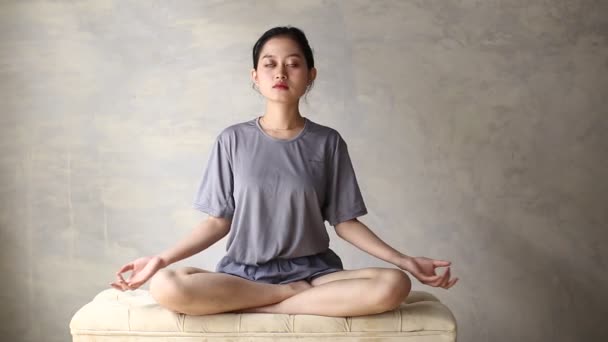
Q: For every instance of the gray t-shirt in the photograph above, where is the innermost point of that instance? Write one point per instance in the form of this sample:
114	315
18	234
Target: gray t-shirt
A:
279	192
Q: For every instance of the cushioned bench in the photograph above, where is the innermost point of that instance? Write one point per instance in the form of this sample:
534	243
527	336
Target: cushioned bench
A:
134	316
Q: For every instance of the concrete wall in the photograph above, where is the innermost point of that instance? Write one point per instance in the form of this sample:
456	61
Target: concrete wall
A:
477	130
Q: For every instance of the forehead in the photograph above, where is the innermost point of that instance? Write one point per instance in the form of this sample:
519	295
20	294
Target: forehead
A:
280	47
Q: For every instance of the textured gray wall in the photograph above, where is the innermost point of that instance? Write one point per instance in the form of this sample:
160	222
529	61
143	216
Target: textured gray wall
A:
478	130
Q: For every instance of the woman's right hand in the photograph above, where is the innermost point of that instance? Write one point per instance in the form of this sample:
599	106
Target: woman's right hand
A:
142	269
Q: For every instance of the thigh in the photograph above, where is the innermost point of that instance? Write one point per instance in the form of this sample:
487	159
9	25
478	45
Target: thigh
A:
190	270
197	279
369	272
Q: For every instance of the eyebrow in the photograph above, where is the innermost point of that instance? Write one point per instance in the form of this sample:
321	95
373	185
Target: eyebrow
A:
292	55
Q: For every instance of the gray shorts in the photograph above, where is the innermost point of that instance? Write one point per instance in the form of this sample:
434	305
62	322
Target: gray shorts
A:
283	271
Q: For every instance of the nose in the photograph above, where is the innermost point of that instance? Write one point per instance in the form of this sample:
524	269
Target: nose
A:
280	73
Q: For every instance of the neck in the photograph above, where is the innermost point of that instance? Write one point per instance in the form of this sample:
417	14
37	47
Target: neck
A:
282	115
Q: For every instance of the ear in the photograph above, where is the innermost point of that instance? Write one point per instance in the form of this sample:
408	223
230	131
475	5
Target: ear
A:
254	76
312	74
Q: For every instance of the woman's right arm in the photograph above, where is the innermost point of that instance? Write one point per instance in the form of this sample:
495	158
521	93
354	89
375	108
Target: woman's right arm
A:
205	234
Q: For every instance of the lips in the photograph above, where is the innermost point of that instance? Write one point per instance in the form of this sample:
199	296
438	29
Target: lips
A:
281	85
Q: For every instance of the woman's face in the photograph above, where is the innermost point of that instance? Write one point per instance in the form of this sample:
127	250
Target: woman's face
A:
282	62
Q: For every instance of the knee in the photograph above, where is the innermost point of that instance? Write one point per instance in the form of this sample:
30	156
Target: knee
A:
394	286
166	289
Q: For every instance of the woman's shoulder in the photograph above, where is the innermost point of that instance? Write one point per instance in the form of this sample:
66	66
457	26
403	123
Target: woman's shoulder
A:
324	130
242	127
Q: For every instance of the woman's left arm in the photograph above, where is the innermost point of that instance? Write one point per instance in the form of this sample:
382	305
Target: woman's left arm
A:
359	235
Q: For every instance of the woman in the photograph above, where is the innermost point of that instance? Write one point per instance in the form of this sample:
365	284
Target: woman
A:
270	183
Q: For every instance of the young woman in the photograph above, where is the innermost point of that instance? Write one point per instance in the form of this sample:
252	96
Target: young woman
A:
270	183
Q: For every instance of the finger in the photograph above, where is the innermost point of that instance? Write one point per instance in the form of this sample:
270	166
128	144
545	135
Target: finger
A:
426	278
441	263
451	283
124	280
441	279
125	268
136	278
133	280
429	280
445	278
119	278
121	281
116	286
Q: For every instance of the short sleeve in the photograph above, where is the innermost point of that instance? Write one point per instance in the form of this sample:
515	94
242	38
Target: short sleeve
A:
343	199
214	194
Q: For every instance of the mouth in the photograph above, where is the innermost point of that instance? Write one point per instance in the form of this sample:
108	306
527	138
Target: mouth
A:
281	86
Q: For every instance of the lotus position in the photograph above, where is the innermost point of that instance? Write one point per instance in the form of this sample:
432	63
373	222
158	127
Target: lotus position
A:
270	184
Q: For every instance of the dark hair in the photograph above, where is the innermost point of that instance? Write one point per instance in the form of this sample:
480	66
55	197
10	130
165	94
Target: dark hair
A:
291	32
288	31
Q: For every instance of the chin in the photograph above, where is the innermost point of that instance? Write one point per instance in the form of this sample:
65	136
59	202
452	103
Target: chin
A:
282	100
285	98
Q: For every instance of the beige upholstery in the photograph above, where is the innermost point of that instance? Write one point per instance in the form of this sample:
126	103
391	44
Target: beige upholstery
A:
134	316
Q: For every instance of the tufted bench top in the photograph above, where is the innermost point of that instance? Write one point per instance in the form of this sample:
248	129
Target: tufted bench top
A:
134	316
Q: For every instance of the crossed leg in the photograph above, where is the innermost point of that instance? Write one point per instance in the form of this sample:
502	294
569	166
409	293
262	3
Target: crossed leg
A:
347	293
364	291
195	291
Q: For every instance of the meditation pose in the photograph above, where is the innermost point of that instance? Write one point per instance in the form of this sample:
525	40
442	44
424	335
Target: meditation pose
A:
270	184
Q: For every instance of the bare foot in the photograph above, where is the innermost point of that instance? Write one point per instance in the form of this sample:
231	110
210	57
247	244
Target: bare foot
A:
299	286
296	287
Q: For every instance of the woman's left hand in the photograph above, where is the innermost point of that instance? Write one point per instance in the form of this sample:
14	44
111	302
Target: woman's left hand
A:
423	269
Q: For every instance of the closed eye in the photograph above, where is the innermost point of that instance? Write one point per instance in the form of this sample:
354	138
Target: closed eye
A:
291	65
